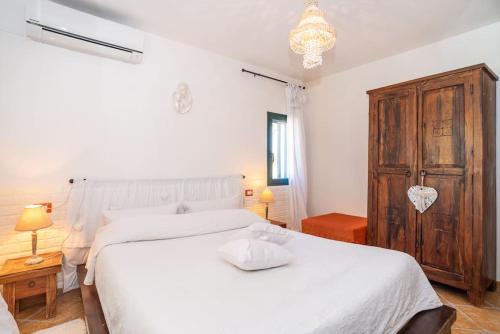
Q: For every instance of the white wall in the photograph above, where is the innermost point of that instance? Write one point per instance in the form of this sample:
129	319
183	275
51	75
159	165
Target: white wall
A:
337	116
67	114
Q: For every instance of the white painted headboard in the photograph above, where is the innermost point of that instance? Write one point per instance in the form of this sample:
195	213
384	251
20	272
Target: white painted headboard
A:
90	197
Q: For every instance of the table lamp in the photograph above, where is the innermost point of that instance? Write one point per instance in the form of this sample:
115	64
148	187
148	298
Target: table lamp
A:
33	218
267	197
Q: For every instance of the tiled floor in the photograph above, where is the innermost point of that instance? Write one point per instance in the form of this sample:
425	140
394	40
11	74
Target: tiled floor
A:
471	319
69	307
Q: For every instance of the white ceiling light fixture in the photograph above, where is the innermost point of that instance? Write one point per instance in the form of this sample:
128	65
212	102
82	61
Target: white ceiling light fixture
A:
312	36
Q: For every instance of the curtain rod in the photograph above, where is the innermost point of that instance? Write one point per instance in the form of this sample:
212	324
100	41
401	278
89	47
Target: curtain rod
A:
267	77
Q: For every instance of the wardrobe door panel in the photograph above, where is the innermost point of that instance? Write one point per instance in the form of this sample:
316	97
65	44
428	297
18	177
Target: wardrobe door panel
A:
445	158
443	226
392	170
393	215
393	127
443	125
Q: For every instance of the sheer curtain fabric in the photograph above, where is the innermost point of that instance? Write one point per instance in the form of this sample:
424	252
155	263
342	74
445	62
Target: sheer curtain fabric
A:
297	174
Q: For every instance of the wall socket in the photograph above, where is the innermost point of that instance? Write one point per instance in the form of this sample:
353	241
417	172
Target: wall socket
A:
48	205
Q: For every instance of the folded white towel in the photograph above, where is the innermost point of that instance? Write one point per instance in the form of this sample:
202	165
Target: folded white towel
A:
254	254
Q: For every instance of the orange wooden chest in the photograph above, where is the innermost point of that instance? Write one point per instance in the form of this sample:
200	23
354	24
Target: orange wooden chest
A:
337	226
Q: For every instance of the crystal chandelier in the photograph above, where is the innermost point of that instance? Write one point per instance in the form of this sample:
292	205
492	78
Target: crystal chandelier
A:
312	36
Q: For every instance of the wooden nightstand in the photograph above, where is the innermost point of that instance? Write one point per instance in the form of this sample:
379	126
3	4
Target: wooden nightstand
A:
21	281
275	222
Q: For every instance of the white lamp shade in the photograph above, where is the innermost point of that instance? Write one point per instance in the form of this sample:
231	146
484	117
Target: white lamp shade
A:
34	217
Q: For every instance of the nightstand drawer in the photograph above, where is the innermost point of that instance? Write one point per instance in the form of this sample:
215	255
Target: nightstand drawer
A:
31	287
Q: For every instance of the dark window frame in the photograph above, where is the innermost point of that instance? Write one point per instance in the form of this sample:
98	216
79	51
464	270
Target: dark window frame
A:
270	181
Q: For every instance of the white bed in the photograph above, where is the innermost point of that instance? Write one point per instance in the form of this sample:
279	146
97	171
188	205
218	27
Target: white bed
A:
180	285
7	323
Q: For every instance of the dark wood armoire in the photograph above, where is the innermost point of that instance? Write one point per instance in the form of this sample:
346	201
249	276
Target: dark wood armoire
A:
441	127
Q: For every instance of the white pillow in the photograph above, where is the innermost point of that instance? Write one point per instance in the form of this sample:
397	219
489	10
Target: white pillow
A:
266	232
216	204
108	216
254	254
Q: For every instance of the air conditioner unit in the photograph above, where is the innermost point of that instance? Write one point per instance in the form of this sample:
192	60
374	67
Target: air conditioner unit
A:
51	23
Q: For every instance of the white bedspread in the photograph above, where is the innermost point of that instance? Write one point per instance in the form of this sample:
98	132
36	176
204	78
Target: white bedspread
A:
155	227
7	323
182	286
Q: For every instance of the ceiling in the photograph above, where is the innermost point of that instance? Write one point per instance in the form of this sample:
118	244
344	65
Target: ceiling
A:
256	31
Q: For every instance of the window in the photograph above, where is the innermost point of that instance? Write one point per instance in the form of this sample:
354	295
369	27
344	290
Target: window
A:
277	161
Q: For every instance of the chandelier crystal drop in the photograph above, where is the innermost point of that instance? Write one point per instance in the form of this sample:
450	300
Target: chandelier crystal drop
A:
312	36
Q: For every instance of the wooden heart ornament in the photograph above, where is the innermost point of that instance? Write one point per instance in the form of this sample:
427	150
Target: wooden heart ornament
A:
422	197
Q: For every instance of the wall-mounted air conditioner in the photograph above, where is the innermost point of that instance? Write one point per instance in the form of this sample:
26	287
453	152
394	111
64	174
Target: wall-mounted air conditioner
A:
51	23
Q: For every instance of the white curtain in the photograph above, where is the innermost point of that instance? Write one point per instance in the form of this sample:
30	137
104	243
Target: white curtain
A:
296	141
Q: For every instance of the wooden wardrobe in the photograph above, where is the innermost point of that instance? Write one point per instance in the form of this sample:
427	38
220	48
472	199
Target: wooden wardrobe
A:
441	127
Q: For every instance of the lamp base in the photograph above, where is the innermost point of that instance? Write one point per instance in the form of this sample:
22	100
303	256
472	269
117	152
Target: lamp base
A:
33	260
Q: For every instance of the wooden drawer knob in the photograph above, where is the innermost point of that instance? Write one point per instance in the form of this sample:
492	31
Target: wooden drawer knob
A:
31	284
